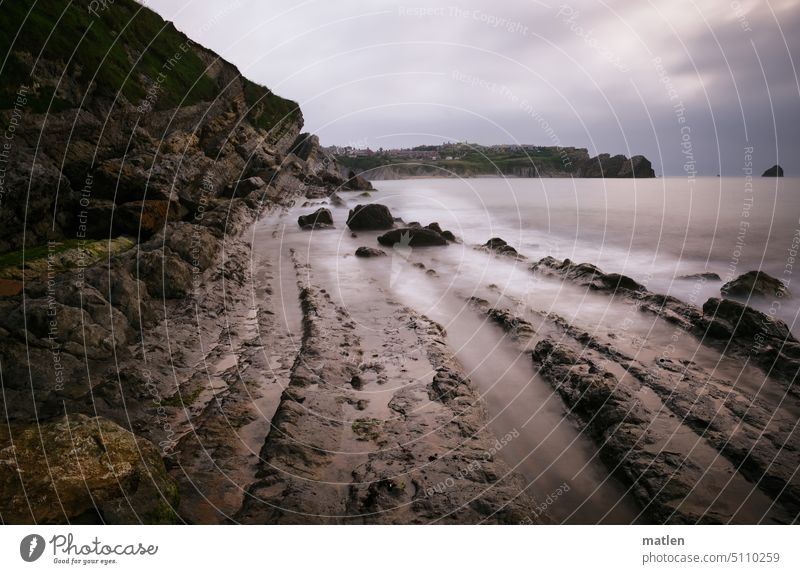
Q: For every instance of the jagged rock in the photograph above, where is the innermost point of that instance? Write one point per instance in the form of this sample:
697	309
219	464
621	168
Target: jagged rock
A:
369	252
413	237
755	284
321	218
357	183
730	319
244	187
165	274
604	165
586	274
499	246
373	216
75	468
774	171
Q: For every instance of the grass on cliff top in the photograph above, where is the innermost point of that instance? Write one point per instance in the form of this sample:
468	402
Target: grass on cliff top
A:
471	163
108	44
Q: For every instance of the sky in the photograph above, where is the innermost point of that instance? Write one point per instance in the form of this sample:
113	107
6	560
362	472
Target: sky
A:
691	84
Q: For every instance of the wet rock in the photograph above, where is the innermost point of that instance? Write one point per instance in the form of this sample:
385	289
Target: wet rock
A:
731	319
357	183
373	216
586	274
499	246
364	251
320	219
414	237
64	469
755	284
774	171
336	200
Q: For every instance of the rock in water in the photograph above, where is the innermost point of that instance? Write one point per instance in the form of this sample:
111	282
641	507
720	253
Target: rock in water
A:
774	171
76	465
369	217
413	237
755	284
605	165
500	247
369	252
320	219
731	318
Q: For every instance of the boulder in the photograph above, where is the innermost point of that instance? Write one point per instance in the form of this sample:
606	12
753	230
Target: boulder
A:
729	319
774	171
755	284
369	252
321	218
81	468
357	183
244	187
413	237
165	274
500	247
373	216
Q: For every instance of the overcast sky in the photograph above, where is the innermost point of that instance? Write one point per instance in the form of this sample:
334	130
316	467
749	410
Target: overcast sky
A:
675	80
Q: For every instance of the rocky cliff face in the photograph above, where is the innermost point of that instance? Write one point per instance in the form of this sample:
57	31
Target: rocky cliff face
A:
130	158
123	126
559	162
618	166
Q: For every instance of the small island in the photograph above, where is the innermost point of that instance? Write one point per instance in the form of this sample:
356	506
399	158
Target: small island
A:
774	171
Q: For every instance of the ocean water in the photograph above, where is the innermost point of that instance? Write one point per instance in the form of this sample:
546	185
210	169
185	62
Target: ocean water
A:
654	230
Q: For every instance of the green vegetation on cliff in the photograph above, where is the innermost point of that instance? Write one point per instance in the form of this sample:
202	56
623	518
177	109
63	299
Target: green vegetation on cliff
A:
124	49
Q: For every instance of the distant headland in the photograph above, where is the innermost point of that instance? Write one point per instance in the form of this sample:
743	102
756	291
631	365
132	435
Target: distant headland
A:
472	160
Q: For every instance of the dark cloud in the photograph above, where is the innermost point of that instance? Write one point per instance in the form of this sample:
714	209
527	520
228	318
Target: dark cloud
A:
385	73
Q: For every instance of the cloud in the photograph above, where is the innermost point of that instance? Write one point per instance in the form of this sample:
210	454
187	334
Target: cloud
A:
392	73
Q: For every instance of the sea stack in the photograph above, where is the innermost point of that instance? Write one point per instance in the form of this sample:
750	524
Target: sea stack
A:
774	171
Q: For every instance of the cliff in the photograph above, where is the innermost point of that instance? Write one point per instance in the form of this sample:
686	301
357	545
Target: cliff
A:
461	160
132	159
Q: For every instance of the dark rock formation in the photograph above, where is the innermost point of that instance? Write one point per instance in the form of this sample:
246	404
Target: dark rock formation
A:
731	319
244	187
373	216
755	284
76	467
586	274
774	171
618	166
412	236
369	252
320	219
357	183
499	246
